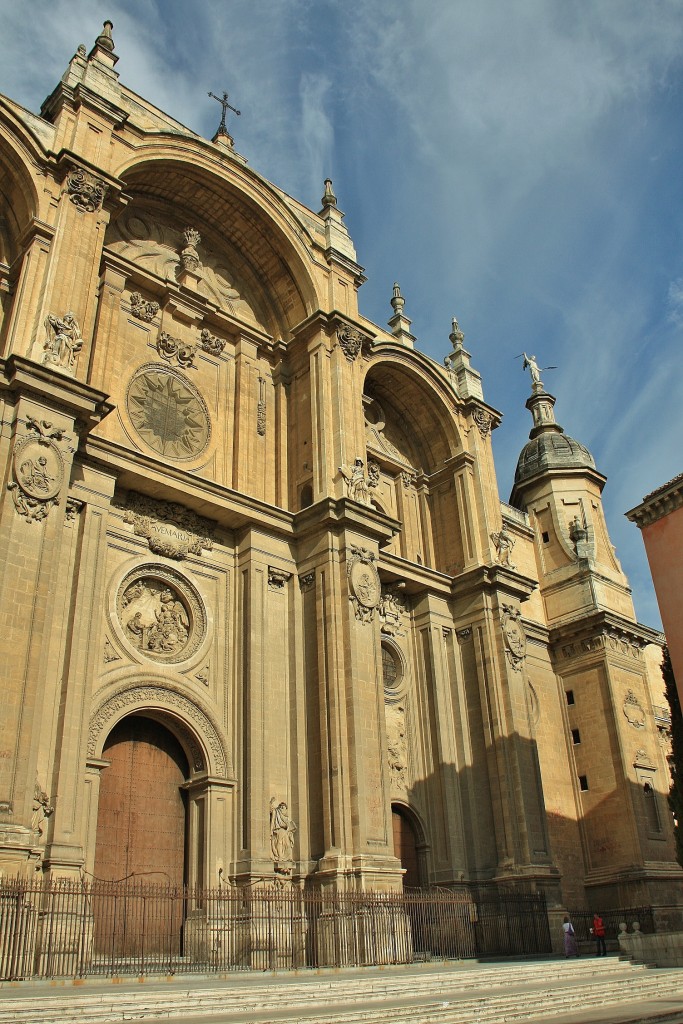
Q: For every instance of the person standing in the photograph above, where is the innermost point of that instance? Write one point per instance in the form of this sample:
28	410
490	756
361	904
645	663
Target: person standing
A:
598	930
571	946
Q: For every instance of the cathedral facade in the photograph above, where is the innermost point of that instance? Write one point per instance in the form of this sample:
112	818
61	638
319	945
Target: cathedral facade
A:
265	614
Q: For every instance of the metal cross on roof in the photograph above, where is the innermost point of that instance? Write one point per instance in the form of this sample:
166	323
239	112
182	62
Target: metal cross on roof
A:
222	129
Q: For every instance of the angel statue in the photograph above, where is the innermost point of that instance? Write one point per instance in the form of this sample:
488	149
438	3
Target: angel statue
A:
356	482
63	341
504	542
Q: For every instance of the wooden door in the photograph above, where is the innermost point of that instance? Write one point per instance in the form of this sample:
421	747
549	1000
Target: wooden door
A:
141	830
405	849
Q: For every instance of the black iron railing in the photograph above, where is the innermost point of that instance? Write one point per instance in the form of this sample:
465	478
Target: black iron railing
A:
68	928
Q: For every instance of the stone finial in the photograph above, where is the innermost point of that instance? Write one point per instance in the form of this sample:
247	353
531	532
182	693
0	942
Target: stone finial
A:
397	300
104	39
456	336
399	323
329	198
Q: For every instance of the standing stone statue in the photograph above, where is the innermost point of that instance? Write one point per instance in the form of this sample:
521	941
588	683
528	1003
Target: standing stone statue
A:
282	830
356	482
504	542
63	341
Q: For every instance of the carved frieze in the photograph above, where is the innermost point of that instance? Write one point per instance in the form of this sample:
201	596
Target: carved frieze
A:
605	640
160	614
168	412
86	191
173	349
514	636
392	608
208	342
633	711
170	529
364	583
141	308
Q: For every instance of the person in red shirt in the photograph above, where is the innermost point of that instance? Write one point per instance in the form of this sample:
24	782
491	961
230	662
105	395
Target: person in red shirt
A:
598	930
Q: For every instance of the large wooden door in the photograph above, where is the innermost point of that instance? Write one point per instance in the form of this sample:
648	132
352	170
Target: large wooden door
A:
405	848
141	833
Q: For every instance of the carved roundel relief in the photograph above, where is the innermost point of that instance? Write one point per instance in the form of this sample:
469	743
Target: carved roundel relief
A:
168	413
160	614
38	468
365	583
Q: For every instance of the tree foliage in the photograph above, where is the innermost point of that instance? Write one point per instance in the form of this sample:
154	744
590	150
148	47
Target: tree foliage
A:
676	791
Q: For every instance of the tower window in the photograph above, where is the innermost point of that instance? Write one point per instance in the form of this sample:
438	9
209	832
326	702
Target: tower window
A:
583	783
576	736
570	696
546	537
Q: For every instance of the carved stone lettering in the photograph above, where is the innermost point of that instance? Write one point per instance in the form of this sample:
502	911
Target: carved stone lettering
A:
171	529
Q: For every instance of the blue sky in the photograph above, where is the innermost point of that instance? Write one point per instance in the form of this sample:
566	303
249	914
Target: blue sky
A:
515	164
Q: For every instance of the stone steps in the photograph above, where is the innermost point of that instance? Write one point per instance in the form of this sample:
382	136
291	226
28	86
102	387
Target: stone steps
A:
451	994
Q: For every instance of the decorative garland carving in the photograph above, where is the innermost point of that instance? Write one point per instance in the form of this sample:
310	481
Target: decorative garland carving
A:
141	308
170	529
514	636
86	191
364	583
464	635
73	507
162	697
409	478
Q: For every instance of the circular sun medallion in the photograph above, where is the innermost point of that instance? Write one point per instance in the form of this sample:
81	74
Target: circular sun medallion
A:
168	412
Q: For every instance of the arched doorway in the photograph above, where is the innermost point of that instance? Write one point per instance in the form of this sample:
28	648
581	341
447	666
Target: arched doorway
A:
141	815
405	847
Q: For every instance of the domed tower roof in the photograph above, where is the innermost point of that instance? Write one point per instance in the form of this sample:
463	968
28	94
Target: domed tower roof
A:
548	448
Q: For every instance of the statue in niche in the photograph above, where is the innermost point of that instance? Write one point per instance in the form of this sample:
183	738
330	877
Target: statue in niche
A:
356	482
63	341
282	830
504	542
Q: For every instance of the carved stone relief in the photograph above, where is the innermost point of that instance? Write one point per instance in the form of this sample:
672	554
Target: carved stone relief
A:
141	308
189	257
109	652
160	614
86	191
261	407
168	412
504	542
307	580
42	810
514	636
277	578
409	479
162	697
633	711
397	747
208	342
364	583
392	608
173	349
73	507
356	482
464	635
483	421
282	830
351	341
38	468
171	529
63	341
204	675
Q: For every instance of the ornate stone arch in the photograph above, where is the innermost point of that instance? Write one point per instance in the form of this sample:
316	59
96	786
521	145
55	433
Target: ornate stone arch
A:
181	713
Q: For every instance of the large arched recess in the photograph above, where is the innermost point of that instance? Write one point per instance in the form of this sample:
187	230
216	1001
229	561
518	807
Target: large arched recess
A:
18	204
414	395
239	213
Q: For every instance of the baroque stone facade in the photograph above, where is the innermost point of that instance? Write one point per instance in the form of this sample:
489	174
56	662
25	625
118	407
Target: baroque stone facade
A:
253	543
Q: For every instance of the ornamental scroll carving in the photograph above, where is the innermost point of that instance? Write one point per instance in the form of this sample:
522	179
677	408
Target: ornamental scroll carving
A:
38	468
174	349
633	711
514	636
180	706
483	421
160	614
364	583
170	529
209	343
86	191
141	308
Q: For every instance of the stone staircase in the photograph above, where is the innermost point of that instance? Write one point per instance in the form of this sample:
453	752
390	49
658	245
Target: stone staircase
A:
448	993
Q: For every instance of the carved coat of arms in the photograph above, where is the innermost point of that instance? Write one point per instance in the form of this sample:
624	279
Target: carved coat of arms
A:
364	583
514	636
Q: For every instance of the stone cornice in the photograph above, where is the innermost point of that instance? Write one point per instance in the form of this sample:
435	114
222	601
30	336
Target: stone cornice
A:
22	376
659	503
602	631
493	578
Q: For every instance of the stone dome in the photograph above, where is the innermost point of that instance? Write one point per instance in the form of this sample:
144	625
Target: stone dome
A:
551	449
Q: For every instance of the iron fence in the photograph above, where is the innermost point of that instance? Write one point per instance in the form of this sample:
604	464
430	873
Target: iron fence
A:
583	921
68	928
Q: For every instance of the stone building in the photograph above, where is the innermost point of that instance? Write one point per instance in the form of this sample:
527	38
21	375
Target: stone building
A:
265	614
